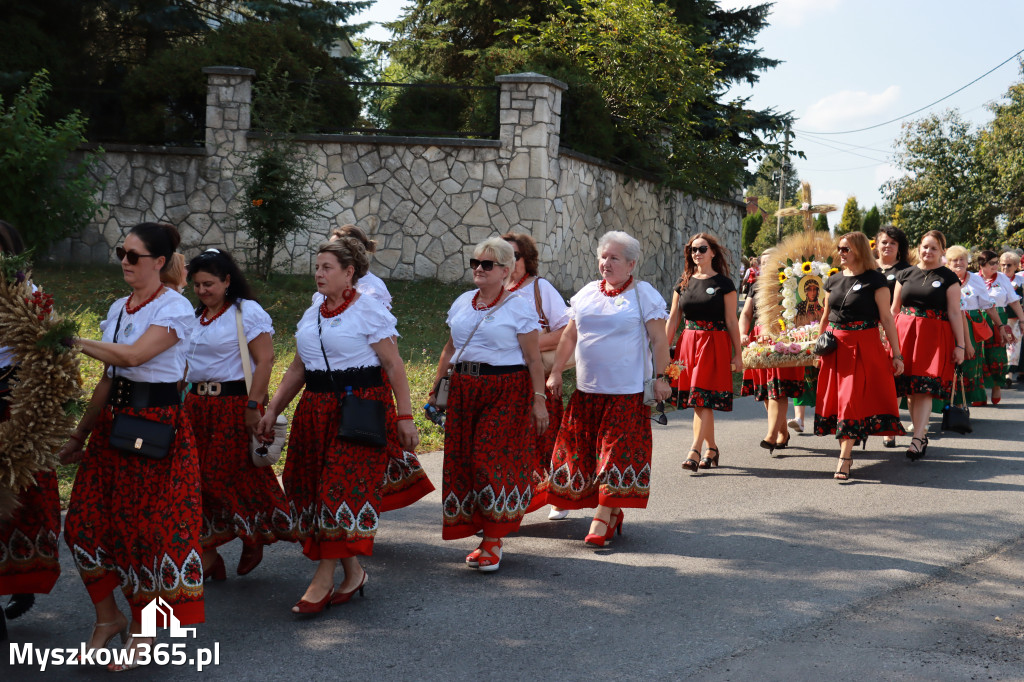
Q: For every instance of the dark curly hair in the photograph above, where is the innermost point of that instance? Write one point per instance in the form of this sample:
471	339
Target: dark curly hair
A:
527	248
900	237
221	265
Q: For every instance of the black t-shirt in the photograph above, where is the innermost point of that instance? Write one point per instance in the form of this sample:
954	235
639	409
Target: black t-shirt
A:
852	299
926	288
892	272
704	299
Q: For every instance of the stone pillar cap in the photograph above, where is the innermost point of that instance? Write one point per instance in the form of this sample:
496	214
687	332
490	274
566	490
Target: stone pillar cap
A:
228	71
531	77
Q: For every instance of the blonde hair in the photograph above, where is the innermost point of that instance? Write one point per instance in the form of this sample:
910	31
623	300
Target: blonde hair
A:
351	230
500	251
861	248
1012	257
957	251
174	275
348	251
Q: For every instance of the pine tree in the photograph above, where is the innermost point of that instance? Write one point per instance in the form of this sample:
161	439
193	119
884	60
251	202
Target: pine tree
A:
821	223
851	220
751	227
872	221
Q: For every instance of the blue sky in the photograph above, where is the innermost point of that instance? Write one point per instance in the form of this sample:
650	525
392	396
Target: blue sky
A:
850	64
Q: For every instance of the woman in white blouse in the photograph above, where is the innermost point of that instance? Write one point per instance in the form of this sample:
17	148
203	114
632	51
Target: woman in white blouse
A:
975	303
369	284
339	487
495	408
602	457
553	316
1000	289
134	520
240	500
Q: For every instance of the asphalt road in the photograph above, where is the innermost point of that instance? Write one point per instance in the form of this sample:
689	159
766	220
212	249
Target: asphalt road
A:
762	569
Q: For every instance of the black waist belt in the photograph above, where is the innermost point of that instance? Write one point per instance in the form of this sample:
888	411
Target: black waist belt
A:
476	369
322	381
219	388
138	394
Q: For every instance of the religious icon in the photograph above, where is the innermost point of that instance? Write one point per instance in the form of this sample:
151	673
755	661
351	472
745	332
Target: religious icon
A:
808	307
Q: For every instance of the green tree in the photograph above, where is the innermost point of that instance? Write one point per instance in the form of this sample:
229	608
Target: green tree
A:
821	223
766	238
944	185
1001	151
851	220
751	228
47	194
872	221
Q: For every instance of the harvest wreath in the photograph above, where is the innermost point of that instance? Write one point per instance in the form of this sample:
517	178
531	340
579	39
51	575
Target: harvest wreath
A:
45	387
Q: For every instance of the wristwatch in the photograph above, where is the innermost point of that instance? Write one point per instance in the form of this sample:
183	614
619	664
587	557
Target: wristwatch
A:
252	405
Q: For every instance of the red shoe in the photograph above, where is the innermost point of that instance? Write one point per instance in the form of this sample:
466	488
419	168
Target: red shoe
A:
995	401
979	403
303	606
251	557
617	526
346	597
490	556
598	539
216	572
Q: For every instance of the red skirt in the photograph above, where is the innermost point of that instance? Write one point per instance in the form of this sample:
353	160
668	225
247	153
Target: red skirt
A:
240	500
545	447
136	521
856	390
926	343
706	378
28	540
338	488
603	453
489	451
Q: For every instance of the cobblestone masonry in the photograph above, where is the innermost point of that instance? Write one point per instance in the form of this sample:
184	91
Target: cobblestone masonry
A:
426	200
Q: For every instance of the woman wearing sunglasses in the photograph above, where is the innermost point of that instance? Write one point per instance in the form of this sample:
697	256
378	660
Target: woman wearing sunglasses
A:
602	457
931	334
496	407
551	310
709	348
36	521
1000	289
240	500
135	520
975	305
856	389
1009	264
339	487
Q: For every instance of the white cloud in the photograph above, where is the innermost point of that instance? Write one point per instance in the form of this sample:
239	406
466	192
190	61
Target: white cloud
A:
849	108
887	172
789	13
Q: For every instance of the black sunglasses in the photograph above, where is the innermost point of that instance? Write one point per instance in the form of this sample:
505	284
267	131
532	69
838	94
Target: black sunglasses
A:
700	249
133	258
487	265
843	249
518	255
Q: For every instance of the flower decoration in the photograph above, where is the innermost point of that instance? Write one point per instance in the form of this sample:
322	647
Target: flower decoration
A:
257	202
872	243
782	277
807	268
673	370
833	271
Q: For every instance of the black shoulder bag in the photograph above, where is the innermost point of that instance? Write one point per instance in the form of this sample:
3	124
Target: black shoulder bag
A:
957	417
138	435
362	419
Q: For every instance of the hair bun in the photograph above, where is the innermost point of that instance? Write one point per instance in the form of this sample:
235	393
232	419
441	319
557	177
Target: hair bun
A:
172	235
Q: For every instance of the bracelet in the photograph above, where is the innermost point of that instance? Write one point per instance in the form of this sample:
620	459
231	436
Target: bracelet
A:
897	356
961	347
403	417
541	395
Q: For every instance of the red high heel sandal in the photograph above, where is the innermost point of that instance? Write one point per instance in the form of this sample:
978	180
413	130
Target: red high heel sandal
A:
303	606
617	526
346	597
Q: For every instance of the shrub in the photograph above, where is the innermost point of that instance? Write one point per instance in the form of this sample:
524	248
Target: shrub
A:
46	195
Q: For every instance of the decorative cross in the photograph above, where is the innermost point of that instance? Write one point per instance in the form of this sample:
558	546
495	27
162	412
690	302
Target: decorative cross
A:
807	210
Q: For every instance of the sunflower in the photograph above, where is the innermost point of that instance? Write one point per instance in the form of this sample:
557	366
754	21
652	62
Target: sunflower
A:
782	277
872	243
833	271
806	267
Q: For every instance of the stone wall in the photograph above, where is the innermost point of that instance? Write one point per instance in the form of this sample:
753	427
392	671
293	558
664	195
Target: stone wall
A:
426	200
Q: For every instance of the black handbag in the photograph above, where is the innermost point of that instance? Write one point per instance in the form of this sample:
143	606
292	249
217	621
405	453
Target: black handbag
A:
826	344
955	417
140	436
362	419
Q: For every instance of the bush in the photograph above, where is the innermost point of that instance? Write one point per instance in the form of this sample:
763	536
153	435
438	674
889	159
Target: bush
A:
751	228
45	196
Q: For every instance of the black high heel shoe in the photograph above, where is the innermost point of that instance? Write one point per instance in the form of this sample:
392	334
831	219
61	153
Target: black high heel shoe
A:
707	461
691	464
769	446
916	452
19	604
784	444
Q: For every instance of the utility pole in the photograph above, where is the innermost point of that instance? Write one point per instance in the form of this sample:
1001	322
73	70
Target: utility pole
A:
782	186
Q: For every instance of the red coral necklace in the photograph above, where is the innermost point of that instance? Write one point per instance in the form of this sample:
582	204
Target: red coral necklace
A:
346	301
128	304
203	320
519	283
612	293
476	298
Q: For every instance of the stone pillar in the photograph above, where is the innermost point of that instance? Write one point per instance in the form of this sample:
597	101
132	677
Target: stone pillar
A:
531	118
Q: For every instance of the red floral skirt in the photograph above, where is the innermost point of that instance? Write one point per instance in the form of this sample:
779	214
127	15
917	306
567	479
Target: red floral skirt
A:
545	446
240	500
338	488
603	453
489	452
136	521
706	378
926	343
856	390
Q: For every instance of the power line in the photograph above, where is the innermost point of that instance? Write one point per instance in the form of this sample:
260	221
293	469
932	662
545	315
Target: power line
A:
917	111
842	170
847	151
